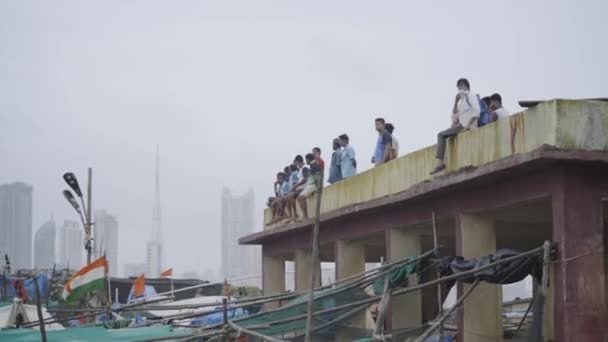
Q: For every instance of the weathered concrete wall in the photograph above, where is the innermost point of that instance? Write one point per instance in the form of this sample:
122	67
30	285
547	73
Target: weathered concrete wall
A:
566	124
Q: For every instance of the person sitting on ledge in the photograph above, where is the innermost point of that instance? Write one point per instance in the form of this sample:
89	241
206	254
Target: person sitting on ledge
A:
464	117
497	108
298	184
277	203
312	183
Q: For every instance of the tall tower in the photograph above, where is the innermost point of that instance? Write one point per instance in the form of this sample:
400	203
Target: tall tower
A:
154	247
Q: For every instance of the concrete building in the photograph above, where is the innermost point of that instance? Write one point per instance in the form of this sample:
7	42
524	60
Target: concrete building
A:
154	258
135	269
16	224
71	245
236	221
537	175
106	239
44	246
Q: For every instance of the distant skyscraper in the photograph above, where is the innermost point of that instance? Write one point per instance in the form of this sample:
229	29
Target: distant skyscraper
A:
71	245
106	239
237	221
135	270
154	247
44	246
16	224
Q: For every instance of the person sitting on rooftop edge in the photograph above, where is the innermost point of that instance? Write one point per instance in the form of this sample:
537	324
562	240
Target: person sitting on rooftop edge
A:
464	117
496	106
313	182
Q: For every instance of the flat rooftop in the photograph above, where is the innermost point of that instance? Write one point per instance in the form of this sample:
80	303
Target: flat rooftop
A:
566	130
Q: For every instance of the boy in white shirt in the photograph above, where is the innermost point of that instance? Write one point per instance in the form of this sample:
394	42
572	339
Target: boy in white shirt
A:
496	106
464	117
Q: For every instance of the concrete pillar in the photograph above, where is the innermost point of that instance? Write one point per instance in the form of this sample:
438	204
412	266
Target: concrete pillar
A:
580	293
481	319
406	310
273	277
350	260
303	263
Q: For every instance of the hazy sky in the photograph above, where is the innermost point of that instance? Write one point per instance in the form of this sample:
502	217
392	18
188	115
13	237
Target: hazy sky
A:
232	90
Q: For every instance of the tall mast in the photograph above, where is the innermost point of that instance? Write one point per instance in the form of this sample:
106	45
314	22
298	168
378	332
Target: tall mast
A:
156	215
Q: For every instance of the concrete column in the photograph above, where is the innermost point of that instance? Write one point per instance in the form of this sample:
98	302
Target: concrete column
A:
273	277
580	231
406	310
482	312
350	260
303	263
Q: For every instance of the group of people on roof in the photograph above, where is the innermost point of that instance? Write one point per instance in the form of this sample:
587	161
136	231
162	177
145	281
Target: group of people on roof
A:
303	177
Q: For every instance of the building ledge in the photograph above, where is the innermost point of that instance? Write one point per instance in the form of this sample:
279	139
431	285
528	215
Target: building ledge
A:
544	156
549	128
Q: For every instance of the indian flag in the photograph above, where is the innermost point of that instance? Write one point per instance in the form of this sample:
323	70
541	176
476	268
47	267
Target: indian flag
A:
90	278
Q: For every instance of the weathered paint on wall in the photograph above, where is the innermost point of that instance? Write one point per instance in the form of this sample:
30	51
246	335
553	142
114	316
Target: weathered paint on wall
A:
565	124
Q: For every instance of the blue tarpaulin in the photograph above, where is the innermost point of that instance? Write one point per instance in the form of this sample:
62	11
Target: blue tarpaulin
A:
8	283
218	317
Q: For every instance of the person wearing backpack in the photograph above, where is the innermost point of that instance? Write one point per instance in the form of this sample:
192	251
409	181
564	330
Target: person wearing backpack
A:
465	115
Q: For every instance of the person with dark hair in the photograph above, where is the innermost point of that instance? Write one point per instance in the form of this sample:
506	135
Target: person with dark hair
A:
348	164
464	117
395	146
313	183
335	174
316	152
298	183
496	106
276	202
382	153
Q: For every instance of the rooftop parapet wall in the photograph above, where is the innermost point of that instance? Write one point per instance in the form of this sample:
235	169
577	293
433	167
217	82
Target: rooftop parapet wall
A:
565	124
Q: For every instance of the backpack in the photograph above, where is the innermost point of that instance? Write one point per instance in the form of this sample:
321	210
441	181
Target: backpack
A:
485	116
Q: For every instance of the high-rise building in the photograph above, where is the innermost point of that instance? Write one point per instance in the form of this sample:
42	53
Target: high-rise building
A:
71	245
44	246
16	224
237	220
135	270
154	247
105	232
154	256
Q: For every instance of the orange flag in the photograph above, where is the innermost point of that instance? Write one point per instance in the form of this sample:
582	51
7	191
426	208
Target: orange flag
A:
167	273
139	286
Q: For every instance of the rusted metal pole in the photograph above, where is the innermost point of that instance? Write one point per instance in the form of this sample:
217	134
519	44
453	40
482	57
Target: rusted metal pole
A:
430	330
386	295
439	285
89	209
225	310
39	309
315	263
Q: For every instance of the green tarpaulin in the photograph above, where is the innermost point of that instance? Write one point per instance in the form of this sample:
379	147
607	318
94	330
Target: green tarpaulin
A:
93	334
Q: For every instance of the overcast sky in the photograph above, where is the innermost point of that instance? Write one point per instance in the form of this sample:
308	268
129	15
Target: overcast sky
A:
232	90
